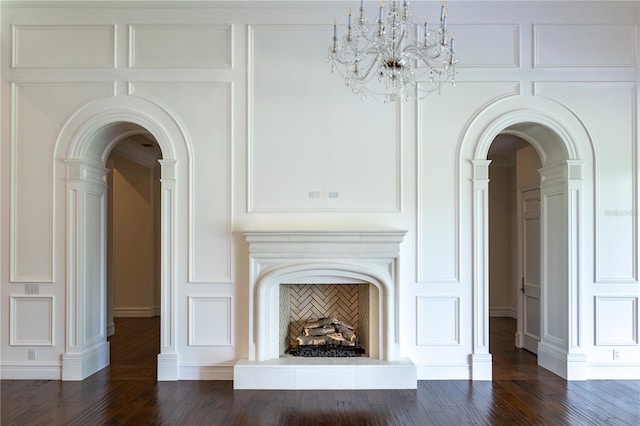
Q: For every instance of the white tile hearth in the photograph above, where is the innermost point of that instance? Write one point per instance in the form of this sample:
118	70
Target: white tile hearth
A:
295	373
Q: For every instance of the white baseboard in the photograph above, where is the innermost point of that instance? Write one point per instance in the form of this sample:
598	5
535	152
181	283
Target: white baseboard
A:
568	366
615	371
136	312
20	370
78	366
167	367
481	367
222	371
444	372
503	312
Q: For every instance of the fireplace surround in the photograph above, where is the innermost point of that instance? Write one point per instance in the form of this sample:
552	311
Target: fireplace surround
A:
323	257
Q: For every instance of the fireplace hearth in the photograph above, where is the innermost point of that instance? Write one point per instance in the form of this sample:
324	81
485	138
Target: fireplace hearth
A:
366	260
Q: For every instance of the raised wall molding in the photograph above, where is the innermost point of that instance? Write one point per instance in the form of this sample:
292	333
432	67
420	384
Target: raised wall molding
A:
190	46
620	151
210	321
267	157
432	313
40	201
423	274
579	45
31	320
616	320
66	46
206	160
472	41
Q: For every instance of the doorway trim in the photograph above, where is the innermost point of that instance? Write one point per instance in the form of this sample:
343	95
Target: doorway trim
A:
81	151
564	146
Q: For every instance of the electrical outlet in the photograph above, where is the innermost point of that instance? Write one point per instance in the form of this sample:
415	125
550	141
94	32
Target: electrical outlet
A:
32	288
314	194
334	195
31	354
616	354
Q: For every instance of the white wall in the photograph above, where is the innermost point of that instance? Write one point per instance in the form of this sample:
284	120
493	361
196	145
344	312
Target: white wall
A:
257	121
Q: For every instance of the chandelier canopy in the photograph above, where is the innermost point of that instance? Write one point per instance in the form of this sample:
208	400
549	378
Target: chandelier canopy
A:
395	57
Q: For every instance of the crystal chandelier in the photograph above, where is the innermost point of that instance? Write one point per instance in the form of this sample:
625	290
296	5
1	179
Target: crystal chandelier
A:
389	57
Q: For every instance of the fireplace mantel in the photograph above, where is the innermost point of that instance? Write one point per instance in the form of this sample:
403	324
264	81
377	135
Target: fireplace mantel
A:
281	257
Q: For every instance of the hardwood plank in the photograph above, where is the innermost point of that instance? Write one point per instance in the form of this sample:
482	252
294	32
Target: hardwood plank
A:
126	393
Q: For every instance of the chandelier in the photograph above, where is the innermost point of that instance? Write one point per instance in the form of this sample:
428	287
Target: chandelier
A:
388	58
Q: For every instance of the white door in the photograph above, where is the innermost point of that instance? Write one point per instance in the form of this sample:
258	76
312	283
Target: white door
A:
529	291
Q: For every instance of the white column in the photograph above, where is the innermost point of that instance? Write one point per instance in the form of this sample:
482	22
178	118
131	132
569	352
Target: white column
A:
168	357
86	346
481	360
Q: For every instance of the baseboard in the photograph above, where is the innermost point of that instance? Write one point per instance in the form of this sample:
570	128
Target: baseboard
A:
19	370
111	329
568	366
143	312
613	371
167	367
444	372
481	367
206	372
78	366
503	312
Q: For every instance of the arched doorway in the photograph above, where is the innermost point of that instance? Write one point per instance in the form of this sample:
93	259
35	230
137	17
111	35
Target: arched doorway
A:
514	255
133	254
83	146
563	146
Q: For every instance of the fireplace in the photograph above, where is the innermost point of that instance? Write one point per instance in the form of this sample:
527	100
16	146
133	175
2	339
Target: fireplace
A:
279	259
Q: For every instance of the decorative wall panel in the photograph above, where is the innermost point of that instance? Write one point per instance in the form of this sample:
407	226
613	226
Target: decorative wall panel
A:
326	138
94	280
63	46
180	46
438	234
487	45
613	129
585	45
205	109
32	320
616	320
554	267
209	321
438	321
32	216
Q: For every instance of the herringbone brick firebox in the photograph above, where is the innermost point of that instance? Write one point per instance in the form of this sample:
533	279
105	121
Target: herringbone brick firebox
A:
301	302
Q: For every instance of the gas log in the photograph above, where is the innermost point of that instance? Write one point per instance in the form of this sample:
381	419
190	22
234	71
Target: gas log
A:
327	331
326	337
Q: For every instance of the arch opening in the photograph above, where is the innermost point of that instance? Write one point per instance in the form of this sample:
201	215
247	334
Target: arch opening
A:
83	146
561	177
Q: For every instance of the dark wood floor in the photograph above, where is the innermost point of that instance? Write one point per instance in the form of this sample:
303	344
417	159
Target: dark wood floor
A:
126	393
